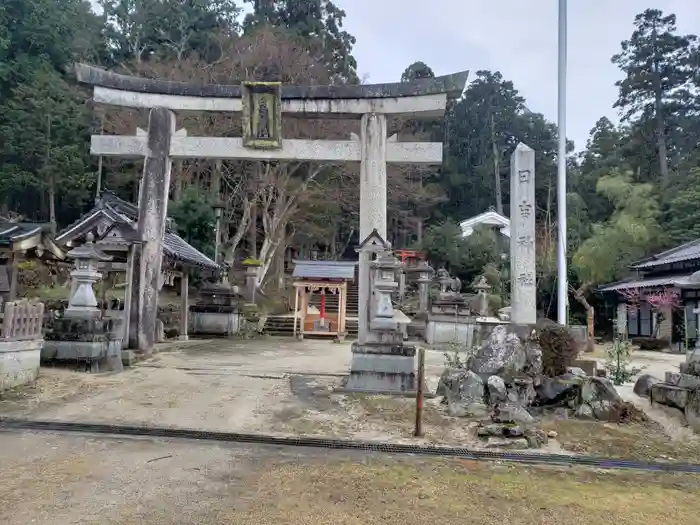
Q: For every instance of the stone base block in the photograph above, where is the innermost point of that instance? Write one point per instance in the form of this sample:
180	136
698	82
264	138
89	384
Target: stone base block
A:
19	362
214	323
669	395
128	357
445	331
105	355
590	366
683	380
382	369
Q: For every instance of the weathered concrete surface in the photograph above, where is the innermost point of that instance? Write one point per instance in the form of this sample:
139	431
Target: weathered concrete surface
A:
19	362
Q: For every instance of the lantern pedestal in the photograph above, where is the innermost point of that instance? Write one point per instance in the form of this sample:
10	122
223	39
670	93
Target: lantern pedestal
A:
381	363
82	336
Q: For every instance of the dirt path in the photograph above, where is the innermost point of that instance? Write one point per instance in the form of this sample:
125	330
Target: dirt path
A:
223	385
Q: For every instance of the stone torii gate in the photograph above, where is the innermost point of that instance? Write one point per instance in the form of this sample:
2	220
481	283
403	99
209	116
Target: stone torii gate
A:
262	105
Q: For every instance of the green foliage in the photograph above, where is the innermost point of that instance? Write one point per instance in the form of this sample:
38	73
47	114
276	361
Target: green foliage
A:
629	234
44	121
617	362
195	220
466	257
682	217
318	23
167	29
559	347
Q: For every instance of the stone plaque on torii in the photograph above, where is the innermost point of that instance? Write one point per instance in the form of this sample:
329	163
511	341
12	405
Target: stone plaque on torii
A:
262	106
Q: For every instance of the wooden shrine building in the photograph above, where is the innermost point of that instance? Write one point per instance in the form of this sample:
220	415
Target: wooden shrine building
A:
322	278
20	241
114	224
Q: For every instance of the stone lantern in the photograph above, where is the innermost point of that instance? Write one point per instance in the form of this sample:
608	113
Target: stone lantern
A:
482	288
82	302
425	279
383	287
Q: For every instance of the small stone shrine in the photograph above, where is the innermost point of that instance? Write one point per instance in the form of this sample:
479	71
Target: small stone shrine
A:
450	319
381	362
218	310
81	335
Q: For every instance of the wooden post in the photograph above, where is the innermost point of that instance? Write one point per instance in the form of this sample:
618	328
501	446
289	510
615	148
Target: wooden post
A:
16	259
419	393
296	307
128	299
184	305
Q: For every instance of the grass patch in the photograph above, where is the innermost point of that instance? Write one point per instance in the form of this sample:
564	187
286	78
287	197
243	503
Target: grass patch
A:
642	441
412	493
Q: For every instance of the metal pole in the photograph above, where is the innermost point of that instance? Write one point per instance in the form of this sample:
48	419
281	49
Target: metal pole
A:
562	281
419	393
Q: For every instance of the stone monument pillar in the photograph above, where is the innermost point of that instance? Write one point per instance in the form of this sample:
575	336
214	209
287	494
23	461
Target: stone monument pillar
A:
522	236
153	208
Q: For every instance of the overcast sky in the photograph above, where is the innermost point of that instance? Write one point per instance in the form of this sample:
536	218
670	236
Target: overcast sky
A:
516	37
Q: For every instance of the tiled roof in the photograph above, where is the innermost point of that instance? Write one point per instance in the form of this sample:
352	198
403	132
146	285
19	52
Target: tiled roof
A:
684	252
489	217
324	270
16	231
123	212
669	280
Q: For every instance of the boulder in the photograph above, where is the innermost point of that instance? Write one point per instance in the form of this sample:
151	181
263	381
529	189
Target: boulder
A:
575	370
692	410
501	352
554	391
598	399
464	391
513	414
533	358
643	385
497	390
521	391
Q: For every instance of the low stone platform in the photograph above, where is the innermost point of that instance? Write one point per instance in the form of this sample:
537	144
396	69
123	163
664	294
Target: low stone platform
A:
678	390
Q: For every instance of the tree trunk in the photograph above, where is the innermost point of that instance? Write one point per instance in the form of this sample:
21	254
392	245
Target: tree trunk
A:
580	295
496	166
253	233
215	183
661	141
52	179
179	173
659	116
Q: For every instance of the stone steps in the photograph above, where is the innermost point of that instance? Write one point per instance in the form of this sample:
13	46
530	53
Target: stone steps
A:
279	325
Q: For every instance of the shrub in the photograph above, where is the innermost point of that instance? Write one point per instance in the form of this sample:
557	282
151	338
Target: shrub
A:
651	343
559	347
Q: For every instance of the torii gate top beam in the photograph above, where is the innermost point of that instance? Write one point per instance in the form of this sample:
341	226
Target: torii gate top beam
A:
425	98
